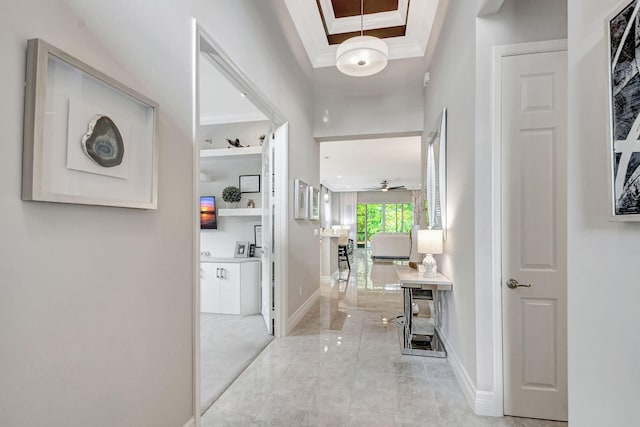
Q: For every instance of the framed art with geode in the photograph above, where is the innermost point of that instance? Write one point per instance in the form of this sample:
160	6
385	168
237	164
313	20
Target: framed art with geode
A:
88	139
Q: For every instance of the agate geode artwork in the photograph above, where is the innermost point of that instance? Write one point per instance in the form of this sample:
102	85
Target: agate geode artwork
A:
88	139
103	142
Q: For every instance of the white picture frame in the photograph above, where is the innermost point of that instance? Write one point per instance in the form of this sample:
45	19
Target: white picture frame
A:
624	111
242	249
436	174
314	203
249	183
300	199
63	99
257	235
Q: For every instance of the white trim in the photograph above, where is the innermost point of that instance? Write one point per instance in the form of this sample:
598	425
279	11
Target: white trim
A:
232	118
195	286
490	7
202	42
392	18
493	400
487	404
302	311
309	25
281	233
330	280
463	377
482	402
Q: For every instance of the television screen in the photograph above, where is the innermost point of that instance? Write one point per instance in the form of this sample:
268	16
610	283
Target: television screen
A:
208	214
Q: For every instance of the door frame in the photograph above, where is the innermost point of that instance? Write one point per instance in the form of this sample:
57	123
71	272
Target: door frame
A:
201	39
495	405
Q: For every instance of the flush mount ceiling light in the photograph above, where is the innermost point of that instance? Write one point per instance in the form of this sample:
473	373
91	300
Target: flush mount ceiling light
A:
362	55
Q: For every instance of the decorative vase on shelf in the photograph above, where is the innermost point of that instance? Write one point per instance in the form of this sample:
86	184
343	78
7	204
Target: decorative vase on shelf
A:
231	195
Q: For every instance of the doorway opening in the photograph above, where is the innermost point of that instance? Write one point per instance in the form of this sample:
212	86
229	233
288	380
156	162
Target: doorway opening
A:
240	176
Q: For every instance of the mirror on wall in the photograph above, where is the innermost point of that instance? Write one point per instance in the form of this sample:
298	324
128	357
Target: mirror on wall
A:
436	174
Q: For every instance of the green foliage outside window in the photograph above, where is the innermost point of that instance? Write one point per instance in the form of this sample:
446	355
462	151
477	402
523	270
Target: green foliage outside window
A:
382	217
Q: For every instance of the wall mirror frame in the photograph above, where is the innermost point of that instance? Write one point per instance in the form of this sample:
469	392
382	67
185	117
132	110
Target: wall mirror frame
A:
436	174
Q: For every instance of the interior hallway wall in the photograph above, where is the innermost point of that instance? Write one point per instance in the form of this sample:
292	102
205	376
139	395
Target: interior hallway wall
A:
394	196
96	302
604	384
453	87
519	21
261	39
389	102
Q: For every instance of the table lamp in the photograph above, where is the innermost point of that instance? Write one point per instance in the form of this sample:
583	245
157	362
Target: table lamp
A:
429	243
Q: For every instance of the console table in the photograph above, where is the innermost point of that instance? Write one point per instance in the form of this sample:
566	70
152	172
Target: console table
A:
421	332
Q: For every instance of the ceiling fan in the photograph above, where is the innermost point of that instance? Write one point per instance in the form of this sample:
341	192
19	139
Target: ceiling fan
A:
384	186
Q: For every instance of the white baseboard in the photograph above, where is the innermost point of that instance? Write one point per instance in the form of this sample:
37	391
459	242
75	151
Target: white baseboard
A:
482	402
293	321
190	423
330	280
487	404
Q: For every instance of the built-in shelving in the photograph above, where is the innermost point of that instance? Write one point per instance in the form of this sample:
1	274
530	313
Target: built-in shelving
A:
232	151
240	212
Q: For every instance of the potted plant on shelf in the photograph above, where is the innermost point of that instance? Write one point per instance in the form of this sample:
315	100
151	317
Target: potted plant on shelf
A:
231	195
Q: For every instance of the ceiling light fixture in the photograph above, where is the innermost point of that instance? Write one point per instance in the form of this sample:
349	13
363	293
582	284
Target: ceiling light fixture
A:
362	55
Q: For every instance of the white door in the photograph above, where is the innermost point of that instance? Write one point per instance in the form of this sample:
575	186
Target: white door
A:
534	161
277	138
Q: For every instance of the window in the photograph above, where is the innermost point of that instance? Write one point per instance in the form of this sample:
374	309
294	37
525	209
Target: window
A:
382	217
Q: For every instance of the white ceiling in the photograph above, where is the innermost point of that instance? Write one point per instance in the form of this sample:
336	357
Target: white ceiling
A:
308	23
361	165
222	102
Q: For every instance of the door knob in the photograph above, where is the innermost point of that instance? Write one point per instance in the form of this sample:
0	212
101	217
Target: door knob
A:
513	283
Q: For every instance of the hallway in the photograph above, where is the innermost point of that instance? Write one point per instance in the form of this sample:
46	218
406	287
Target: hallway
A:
342	367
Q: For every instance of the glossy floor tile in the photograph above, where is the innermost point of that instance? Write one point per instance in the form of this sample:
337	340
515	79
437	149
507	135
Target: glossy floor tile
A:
228	344
342	366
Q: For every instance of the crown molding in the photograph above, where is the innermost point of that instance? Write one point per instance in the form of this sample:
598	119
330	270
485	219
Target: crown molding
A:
308	23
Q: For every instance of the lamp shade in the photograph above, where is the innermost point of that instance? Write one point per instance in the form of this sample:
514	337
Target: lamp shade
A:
362	56
430	241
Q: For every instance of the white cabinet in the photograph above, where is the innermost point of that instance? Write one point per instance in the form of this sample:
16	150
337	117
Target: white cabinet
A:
230	287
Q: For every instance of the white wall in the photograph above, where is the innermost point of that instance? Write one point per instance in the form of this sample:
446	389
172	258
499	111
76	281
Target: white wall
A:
261	39
518	21
452	86
465	48
247	132
95	306
604	384
395	196
386	103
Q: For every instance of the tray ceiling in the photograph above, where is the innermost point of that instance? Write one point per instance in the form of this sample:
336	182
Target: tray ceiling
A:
324	24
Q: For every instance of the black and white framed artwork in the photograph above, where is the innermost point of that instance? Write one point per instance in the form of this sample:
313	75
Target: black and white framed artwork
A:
623	30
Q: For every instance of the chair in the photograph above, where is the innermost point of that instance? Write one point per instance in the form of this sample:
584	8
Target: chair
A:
343	254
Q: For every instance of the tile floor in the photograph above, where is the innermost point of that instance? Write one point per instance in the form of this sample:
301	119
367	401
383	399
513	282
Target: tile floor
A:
228	344
342	367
